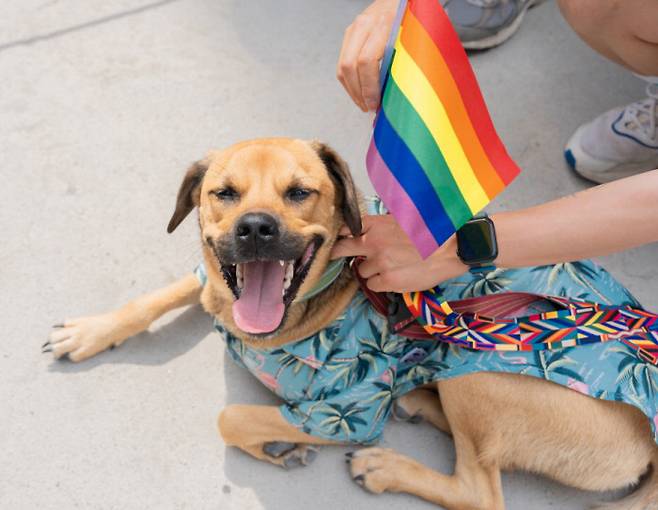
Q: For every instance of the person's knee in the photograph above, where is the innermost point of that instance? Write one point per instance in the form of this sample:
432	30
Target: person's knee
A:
637	38
590	19
621	31
587	14
640	24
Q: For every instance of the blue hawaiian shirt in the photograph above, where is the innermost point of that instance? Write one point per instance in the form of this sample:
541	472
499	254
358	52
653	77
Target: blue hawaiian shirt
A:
340	383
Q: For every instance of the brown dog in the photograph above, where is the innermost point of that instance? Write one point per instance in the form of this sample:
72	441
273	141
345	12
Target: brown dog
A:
269	212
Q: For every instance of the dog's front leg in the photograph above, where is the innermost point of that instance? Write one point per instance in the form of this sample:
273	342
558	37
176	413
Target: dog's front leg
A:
83	337
262	432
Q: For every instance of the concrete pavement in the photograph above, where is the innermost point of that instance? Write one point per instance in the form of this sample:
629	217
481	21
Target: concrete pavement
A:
102	105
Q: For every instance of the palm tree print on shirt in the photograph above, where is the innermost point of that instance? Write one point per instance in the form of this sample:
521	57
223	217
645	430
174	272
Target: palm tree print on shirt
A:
639	376
339	417
581	273
484	283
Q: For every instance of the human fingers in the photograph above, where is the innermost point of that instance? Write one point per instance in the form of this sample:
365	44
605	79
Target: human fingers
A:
367	223
368	64
350	247
347	70
370	267
402	279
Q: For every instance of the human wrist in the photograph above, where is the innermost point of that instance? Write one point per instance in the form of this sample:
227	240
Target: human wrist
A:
500	225
445	262
518	236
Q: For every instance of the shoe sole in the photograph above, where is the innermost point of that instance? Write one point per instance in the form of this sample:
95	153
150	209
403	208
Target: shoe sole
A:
600	171
504	34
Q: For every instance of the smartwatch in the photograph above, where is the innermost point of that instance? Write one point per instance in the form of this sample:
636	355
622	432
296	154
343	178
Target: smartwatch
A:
476	242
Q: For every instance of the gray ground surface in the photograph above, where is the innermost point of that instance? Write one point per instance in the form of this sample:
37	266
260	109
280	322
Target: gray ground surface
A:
103	104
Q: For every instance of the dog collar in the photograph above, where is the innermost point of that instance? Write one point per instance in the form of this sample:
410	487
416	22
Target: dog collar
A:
329	276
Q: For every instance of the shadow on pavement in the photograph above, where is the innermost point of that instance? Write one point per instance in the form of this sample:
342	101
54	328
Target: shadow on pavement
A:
150	348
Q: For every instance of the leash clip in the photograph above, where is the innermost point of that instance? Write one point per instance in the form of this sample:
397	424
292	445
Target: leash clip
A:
398	315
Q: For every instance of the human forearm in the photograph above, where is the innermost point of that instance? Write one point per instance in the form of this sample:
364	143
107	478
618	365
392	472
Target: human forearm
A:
594	222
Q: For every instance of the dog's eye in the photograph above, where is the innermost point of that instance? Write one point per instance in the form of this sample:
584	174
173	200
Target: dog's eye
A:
297	194
226	194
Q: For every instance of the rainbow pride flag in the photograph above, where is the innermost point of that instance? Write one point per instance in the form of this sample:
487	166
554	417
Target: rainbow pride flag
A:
435	159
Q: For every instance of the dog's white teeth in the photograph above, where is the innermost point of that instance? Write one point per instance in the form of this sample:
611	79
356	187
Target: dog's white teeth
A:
240	282
290	271
281	262
286	284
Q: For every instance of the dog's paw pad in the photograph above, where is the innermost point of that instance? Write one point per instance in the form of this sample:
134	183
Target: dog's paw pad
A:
297	456
311	455
400	414
278	448
292	462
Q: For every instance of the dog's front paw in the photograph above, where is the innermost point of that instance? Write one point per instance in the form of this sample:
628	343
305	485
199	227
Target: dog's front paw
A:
379	469
290	455
82	338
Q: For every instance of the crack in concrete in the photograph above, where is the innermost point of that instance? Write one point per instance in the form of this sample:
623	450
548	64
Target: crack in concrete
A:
83	26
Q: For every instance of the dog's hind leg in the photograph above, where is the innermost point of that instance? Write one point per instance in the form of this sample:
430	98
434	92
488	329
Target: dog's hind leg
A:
474	486
421	404
262	432
476	483
83	337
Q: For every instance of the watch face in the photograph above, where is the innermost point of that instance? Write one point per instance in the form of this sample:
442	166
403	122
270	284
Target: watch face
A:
476	242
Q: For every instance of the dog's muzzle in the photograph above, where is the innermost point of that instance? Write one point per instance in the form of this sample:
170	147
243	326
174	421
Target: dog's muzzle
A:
264	265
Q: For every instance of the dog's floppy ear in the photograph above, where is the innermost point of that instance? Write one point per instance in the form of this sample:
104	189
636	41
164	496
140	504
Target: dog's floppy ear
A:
188	194
345	188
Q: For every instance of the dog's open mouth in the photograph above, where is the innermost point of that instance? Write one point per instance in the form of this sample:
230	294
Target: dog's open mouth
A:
264	289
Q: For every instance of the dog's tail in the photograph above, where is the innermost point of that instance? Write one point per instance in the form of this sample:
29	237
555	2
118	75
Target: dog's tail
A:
645	495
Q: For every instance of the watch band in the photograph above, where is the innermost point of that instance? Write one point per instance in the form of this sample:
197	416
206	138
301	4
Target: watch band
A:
482	268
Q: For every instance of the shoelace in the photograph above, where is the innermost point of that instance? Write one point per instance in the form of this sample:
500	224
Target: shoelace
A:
643	115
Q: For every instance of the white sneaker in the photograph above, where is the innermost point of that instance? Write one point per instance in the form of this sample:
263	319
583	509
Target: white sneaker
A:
619	143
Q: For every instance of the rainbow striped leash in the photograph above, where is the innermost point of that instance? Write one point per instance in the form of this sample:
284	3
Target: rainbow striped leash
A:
500	322
496	322
435	158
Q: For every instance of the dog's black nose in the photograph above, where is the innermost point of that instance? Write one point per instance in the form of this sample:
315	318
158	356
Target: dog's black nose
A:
257	229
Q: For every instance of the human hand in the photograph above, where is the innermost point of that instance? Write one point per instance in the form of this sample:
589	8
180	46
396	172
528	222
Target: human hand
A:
392	262
363	47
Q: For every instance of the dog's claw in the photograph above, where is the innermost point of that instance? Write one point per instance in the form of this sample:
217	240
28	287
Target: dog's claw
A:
360	480
45	344
47	349
59	325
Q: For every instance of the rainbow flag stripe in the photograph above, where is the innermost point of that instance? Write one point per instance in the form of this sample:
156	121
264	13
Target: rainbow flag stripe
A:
435	158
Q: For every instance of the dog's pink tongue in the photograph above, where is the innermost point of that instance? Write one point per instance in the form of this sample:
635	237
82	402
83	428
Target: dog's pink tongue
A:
260	308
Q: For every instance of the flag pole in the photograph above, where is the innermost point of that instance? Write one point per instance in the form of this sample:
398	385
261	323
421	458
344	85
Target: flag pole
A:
388	52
